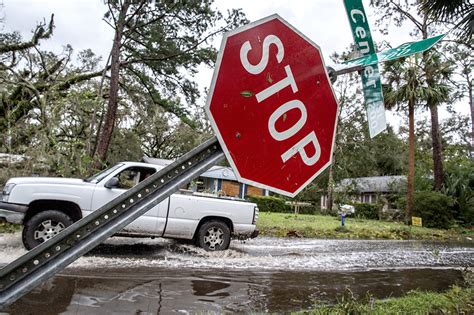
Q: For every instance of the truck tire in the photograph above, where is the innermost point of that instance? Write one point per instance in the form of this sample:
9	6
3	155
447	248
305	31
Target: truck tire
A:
213	235
43	226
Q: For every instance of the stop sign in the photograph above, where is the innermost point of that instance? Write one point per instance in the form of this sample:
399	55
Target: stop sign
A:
272	106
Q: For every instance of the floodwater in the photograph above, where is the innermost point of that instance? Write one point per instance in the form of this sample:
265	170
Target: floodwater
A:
134	276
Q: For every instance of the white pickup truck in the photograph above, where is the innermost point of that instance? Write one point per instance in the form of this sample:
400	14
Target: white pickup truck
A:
46	205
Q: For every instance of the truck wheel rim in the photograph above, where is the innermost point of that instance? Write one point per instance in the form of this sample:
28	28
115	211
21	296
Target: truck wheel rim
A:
214	237
47	229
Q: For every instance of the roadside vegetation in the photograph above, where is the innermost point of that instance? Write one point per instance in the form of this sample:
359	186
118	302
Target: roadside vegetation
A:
325	226
6	227
457	300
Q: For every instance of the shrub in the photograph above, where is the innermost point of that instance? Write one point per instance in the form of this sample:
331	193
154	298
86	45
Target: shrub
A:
366	211
270	204
309	209
435	209
459	184
392	215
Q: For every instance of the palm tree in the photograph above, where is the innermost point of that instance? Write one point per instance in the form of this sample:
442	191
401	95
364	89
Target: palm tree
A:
423	24
404	90
414	82
460	12
437	91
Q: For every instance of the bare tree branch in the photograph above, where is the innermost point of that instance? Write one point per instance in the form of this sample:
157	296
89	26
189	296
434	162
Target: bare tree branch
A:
39	33
408	15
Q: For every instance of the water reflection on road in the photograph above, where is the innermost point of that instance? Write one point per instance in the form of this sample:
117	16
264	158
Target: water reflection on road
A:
132	291
263	275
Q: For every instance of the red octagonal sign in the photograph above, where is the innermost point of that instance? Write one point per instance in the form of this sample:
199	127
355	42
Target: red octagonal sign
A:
272	106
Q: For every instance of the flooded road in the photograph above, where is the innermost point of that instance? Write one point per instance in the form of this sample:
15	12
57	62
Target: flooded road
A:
139	276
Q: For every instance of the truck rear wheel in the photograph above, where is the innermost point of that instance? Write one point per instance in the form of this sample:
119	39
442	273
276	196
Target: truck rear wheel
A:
43	226
213	235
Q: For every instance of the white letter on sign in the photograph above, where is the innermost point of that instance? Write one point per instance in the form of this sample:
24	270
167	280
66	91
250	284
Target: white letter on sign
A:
299	148
280	85
256	69
280	136
357	12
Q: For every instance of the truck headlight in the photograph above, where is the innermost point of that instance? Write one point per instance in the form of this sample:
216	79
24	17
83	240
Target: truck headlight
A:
7	190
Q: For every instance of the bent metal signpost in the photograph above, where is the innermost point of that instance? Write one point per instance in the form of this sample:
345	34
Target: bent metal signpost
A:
272	106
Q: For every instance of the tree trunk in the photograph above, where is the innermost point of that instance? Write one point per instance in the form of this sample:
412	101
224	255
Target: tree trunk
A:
437	149
331	183
471	101
111	113
411	161
330	188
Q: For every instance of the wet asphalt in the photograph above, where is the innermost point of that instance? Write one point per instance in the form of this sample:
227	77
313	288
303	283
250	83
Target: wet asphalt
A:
141	276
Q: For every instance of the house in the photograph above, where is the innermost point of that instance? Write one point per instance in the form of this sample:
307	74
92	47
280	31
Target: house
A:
367	189
7	159
217	180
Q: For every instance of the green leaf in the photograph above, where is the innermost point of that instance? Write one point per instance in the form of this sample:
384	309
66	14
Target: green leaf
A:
246	93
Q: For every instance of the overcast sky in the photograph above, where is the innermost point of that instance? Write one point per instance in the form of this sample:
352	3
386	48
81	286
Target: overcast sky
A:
79	23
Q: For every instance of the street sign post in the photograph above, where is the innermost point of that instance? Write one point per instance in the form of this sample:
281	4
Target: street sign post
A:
272	106
403	50
371	84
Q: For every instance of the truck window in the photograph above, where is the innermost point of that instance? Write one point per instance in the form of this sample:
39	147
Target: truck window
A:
131	176
102	174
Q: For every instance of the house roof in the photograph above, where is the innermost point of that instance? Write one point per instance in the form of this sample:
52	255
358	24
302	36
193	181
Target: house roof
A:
371	184
6	158
218	172
375	184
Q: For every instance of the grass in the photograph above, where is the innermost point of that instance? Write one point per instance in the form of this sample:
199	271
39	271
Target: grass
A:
457	300
319	226
6	227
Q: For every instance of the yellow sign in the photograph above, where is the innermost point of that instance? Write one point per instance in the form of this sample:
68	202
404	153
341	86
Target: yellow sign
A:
416	221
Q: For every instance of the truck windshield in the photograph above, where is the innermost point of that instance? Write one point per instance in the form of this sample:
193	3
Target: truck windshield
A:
102	174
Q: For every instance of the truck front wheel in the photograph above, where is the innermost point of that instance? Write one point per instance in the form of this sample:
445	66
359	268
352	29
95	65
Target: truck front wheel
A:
43	226
214	235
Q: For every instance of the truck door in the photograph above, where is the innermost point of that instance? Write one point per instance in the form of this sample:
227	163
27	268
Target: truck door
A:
153	221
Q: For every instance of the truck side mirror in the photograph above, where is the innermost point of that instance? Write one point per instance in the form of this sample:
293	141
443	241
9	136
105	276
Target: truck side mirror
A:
112	183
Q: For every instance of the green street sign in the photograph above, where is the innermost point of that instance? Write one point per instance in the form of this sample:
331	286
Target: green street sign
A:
371	84
403	50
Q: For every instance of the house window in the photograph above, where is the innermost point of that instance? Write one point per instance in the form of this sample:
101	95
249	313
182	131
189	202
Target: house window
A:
197	185
200	184
369	198
366	199
324	202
